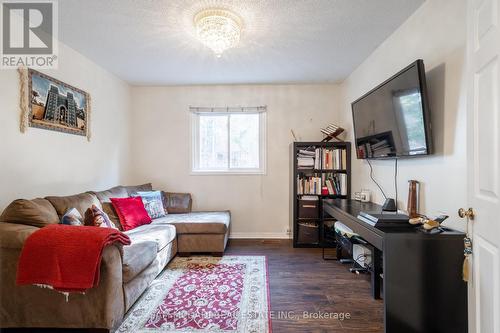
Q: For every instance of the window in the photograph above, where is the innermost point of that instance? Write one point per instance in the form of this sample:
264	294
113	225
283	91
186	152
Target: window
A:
229	142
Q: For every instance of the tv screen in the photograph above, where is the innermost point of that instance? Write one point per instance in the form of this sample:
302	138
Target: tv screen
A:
392	120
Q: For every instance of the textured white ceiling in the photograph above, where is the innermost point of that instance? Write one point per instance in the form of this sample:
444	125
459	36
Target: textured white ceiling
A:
152	42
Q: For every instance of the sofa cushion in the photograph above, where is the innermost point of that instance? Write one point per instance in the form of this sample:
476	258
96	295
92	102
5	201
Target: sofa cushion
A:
136	257
114	192
138	188
177	203
37	212
162	235
105	199
198	222
80	201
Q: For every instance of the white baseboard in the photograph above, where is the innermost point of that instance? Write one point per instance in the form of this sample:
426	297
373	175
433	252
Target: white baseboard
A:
259	235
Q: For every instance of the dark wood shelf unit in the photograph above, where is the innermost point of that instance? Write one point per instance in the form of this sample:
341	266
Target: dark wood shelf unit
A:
296	171
323	170
320	196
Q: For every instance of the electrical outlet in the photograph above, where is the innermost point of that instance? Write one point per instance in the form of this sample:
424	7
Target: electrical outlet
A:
288	231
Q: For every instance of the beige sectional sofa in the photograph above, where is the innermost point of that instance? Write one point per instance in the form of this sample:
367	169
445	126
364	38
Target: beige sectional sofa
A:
126	271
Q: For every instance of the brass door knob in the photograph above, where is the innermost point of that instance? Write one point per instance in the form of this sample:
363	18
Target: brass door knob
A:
469	213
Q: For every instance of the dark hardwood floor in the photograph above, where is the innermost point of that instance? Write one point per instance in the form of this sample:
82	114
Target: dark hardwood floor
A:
301	281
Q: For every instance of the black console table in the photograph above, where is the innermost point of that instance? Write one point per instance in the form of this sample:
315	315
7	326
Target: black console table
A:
423	290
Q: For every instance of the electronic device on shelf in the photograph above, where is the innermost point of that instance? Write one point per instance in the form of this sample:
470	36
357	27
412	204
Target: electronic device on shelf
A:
377	219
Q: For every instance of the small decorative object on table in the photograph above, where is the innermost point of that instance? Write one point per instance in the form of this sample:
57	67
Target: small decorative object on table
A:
366	195
332	132
413	193
427	224
363	196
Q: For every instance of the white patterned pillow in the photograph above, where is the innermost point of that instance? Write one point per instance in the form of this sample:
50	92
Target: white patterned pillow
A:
153	203
72	217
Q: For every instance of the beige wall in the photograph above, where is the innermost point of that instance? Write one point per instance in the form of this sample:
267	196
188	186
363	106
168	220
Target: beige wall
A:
41	162
435	33
259	204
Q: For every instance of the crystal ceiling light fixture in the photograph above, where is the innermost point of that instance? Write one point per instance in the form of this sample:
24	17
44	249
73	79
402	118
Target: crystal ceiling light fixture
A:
218	29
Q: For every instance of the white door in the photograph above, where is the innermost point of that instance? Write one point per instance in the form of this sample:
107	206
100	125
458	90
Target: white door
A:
483	136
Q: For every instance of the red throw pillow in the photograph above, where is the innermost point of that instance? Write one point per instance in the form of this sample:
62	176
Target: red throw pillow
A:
131	212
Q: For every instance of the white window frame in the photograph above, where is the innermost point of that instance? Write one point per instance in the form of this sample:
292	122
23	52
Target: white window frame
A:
195	149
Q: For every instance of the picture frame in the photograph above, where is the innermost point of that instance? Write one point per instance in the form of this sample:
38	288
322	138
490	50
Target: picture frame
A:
51	104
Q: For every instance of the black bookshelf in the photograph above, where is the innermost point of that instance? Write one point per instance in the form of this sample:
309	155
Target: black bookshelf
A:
308	225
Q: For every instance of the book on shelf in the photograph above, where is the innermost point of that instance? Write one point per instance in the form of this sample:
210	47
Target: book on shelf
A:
309	185
330	159
305	159
317	163
306	153
310	198
329	185
322	159
336	184
343	184
303	162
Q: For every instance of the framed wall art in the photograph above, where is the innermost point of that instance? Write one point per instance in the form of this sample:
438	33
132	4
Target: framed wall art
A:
51	104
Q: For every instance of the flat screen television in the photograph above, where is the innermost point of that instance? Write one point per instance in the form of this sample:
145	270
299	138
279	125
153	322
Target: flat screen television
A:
393	119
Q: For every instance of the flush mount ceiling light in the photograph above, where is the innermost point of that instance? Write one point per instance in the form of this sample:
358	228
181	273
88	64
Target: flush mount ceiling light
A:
219	29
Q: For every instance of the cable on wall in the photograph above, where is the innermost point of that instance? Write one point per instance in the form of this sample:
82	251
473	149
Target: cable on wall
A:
373	179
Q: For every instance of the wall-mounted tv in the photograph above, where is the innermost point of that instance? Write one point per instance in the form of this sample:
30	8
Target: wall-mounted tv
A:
393	119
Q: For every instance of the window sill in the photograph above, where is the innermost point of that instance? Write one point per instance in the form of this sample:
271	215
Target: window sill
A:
228	173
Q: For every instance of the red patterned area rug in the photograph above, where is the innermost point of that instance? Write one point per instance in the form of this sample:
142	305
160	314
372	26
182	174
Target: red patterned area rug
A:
205	294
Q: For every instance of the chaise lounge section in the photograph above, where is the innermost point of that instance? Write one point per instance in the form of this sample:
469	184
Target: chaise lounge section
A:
125	272
199	231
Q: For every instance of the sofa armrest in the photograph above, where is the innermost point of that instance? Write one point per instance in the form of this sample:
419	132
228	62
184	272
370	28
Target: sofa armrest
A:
177	203
13	236
32	306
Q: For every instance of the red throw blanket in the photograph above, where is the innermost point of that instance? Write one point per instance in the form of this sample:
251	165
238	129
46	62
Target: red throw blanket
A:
65	258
